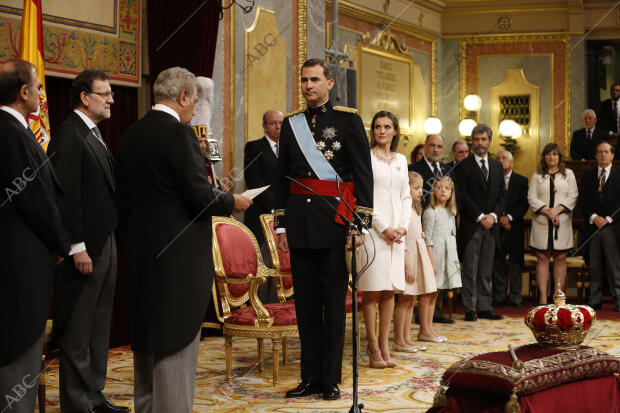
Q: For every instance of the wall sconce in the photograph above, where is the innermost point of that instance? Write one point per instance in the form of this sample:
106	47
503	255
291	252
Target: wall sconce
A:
432	126
472	103
466	126
510	131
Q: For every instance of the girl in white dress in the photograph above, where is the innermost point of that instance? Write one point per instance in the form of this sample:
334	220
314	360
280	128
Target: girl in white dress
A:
419	277
385	241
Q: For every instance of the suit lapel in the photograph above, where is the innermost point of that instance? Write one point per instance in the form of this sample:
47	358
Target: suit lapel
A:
478	172
266	149
102	157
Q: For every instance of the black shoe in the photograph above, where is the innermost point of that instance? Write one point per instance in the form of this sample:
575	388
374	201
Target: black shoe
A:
471	316
489	315
513	304
108	407
303	389
442	319
331	392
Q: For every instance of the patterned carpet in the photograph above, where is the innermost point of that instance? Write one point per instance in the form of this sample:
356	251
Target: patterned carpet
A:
408	388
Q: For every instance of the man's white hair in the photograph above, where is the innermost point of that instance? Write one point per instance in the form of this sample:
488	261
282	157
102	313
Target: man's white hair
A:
505	151
171	82
589	111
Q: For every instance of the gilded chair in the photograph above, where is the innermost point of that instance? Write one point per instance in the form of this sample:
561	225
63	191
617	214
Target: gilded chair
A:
280	261
239	270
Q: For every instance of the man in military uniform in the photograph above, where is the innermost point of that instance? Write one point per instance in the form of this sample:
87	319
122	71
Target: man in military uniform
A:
324	166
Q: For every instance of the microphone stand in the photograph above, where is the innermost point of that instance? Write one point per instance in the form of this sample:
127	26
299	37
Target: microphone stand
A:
356	407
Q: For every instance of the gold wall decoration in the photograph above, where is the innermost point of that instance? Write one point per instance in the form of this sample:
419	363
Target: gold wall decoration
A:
302	42
558	46
264	71
385	78
517	99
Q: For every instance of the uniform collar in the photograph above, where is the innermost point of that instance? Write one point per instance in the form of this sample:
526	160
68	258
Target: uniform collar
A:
321	108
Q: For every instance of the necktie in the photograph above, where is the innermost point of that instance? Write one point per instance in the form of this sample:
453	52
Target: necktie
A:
485	170
616	115
589	134
436	170
601	180
277	150
506	180
31	133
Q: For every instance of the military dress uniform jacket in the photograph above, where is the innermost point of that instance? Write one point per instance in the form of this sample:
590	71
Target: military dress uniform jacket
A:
339	134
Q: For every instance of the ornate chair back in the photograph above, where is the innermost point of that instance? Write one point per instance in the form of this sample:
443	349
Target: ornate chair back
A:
280	261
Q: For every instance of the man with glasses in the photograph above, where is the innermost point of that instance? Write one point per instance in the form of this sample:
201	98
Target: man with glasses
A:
84	290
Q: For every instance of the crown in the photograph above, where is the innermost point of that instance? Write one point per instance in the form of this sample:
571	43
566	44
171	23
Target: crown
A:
560	325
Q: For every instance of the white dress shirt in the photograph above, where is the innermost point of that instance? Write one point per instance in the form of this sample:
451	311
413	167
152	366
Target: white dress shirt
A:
273	144
15	114
168	110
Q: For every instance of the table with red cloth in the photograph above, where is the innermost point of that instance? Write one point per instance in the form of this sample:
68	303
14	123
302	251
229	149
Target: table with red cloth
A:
580	380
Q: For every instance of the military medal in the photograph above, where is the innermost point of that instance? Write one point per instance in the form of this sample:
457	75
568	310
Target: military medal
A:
336	146
329	155
320	145
329	133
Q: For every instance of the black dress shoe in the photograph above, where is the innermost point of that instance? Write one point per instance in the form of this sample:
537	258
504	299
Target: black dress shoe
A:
442	319
331	392
303	389
489	315
471	316
108	407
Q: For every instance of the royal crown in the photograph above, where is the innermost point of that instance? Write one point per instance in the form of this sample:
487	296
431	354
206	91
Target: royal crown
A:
560	325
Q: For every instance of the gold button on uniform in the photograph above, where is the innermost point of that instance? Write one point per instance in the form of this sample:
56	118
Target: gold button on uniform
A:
309	173
308	200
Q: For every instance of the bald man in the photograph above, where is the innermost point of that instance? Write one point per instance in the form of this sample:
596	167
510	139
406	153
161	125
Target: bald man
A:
584	141
260	161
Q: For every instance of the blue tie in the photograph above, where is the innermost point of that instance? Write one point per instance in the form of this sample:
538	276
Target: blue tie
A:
277	150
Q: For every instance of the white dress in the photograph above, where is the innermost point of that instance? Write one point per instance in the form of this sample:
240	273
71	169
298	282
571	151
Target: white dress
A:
391	208
416	255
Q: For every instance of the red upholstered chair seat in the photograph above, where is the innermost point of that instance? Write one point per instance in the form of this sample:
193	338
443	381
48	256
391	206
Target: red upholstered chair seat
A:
543	368
350	302
283	315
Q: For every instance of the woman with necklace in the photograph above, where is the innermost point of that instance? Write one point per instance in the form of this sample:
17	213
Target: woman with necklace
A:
552	195
390	220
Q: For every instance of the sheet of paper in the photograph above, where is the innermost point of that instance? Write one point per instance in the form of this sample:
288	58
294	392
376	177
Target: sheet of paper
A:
253	193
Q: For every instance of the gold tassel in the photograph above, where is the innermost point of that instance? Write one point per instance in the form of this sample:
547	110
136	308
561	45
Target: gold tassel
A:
440	399
513	404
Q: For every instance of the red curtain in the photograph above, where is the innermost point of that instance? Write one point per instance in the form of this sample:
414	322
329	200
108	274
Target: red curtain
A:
182	33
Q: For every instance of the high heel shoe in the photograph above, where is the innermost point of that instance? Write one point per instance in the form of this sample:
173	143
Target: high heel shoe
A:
405	349
375	364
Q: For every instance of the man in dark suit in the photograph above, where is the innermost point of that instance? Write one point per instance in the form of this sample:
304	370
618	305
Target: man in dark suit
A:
260	161
585	140
325	150
431	168
509	270
460	151
84	289
600	201
610	111
481	193
32	240
166	204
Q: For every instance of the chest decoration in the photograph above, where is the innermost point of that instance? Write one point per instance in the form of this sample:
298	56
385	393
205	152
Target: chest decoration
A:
328	146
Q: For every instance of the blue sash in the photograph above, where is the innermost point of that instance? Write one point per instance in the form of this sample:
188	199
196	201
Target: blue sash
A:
321	167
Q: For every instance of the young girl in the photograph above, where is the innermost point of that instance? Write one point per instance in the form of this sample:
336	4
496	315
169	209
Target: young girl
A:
419	277
440	229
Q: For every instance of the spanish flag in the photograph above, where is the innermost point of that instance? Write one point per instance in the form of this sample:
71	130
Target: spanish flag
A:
31	50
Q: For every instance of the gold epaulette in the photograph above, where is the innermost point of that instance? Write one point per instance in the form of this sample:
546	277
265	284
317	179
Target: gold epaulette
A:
345	109
286	115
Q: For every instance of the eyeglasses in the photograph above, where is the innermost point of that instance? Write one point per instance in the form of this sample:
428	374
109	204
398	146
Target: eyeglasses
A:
104	95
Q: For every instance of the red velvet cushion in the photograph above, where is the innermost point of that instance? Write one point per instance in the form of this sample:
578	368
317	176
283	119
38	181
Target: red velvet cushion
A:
350	303
238	255
285	261
283	315
544	368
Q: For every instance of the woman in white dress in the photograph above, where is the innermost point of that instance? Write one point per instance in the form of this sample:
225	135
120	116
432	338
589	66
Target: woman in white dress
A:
390	220
552	195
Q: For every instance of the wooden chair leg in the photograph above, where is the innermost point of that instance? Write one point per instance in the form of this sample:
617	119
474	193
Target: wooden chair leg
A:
261	354
276	359
228	351
285	351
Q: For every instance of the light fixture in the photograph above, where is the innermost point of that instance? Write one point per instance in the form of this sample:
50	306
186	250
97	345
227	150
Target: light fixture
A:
466	126
432	126
509	128
472	103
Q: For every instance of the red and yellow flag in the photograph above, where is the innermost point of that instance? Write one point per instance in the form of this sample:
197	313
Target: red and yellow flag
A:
31	50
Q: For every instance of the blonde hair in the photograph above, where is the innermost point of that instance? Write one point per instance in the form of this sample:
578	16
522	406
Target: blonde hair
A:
451	202
417	205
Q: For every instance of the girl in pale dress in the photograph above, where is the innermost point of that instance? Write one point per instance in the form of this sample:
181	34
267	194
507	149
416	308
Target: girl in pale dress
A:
419	277
440	229
385	241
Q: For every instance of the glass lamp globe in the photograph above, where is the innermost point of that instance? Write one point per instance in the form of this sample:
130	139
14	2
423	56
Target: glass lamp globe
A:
432	126
466	126
472	103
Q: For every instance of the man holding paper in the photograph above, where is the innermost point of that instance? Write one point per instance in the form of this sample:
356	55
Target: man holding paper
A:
324	166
